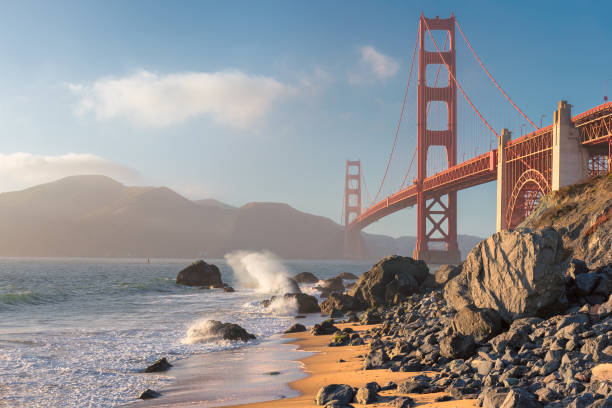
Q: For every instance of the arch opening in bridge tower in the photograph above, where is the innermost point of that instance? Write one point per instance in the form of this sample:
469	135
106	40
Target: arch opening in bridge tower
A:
437	76
437	116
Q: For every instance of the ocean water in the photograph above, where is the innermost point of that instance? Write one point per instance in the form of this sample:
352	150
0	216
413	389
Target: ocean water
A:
77	332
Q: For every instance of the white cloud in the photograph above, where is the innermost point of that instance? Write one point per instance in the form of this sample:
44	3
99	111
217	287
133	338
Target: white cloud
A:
21	170
232	98
373	65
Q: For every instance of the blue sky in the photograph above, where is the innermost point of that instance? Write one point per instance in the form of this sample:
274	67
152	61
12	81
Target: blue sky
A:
263	101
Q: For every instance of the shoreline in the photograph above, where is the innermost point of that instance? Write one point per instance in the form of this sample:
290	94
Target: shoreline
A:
323	368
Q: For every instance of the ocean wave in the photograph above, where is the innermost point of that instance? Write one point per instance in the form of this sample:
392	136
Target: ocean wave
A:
24	298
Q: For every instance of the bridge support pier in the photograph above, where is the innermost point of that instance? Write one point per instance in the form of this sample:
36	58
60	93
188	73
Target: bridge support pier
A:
502	181
569	158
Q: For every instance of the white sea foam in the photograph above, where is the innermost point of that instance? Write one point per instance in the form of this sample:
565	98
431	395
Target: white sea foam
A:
261	269
283	306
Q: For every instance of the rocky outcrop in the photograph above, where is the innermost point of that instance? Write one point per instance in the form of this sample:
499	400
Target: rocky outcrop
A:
200	273
337	301
391	276
325	327
305	303
582	213
516	273
229	331
306	277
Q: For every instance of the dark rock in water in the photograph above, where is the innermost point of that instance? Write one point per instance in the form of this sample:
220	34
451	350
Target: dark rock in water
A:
482	324
306	277
329	286
457	346
228	289
323	328
229	331
305	303
517	273
340	302
347	276
446	273
160	365
389	276
149	394
335	314
335	392
200	273
273	373
296	328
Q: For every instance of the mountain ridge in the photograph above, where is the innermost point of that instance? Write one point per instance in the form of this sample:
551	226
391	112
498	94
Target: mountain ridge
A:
96	216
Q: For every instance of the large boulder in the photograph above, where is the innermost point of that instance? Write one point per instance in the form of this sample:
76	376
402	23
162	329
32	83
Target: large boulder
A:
304	303
482	324
306	277
200	273
393	275
342	302
517	273
456	345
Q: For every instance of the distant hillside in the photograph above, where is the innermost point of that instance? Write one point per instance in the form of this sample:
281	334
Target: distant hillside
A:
95	216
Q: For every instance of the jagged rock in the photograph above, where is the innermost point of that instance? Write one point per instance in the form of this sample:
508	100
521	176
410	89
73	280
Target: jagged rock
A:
149	394
520	398
446	273
160	365
329	286
403	402
337	404
457	346
493	397
339	301
347	276
200	273
389	276
482	324
582	213
518	273
341	393
306	277
305	303
412	387
323	328
516	336
296	328
228	331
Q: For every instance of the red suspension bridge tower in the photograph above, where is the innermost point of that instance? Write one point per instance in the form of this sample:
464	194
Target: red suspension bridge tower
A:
436	213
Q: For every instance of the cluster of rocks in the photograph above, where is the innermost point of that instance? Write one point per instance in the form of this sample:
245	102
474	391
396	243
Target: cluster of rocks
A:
518	324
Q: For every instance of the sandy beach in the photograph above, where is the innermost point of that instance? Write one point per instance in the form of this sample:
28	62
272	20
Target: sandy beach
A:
323	368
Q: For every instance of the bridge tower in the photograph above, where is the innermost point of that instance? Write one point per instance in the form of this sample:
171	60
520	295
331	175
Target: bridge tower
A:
353	242
437	214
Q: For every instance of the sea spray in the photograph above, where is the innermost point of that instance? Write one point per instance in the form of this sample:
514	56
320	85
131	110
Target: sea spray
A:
282	306
263	269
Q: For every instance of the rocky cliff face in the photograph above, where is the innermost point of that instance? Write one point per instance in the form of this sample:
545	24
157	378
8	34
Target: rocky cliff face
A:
582	214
